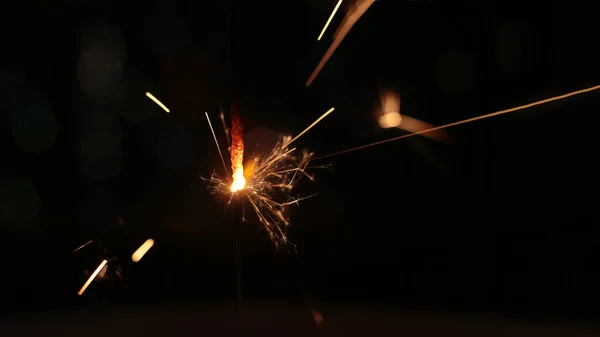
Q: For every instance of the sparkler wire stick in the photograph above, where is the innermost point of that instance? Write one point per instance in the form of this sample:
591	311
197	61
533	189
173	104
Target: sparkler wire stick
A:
238	271
235	142
497	113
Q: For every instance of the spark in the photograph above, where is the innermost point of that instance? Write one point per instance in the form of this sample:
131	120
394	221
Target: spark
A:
329	20
269	181
140	252
493	114
216	142
343	30
313	124
149	95
83	246
92	277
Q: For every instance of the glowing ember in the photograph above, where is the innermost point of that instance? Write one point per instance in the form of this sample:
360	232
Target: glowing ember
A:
237	152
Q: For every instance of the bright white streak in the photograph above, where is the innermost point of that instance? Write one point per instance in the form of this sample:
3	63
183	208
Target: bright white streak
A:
92	277
329	20
140	252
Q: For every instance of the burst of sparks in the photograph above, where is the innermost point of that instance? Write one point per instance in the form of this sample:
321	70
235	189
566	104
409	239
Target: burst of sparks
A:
268	182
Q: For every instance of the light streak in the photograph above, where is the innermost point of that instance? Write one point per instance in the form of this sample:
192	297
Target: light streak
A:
312	125
92	277
493	114
342	32
140	252
149	95
216	142
83	245
329	20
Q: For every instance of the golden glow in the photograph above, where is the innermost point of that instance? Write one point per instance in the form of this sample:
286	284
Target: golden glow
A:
390	120
149	95
329	20
140	252
239	181
92	277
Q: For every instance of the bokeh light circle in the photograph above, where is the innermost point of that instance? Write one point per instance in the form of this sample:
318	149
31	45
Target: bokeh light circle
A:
35	128
98	212
101	61
176	149
18	97
455	72
515	47
259	141
166	34
19	201
101	155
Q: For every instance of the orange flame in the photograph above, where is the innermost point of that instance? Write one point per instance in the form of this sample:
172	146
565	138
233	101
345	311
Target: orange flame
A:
237	152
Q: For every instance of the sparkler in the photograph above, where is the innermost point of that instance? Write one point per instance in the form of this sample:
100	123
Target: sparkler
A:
268	182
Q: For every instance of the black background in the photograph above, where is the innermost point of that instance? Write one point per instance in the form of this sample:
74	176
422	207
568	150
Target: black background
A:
501	219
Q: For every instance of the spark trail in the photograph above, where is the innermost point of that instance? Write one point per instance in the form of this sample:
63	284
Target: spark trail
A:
465	121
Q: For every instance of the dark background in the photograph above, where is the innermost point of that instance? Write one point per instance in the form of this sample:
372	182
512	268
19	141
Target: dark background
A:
502	219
